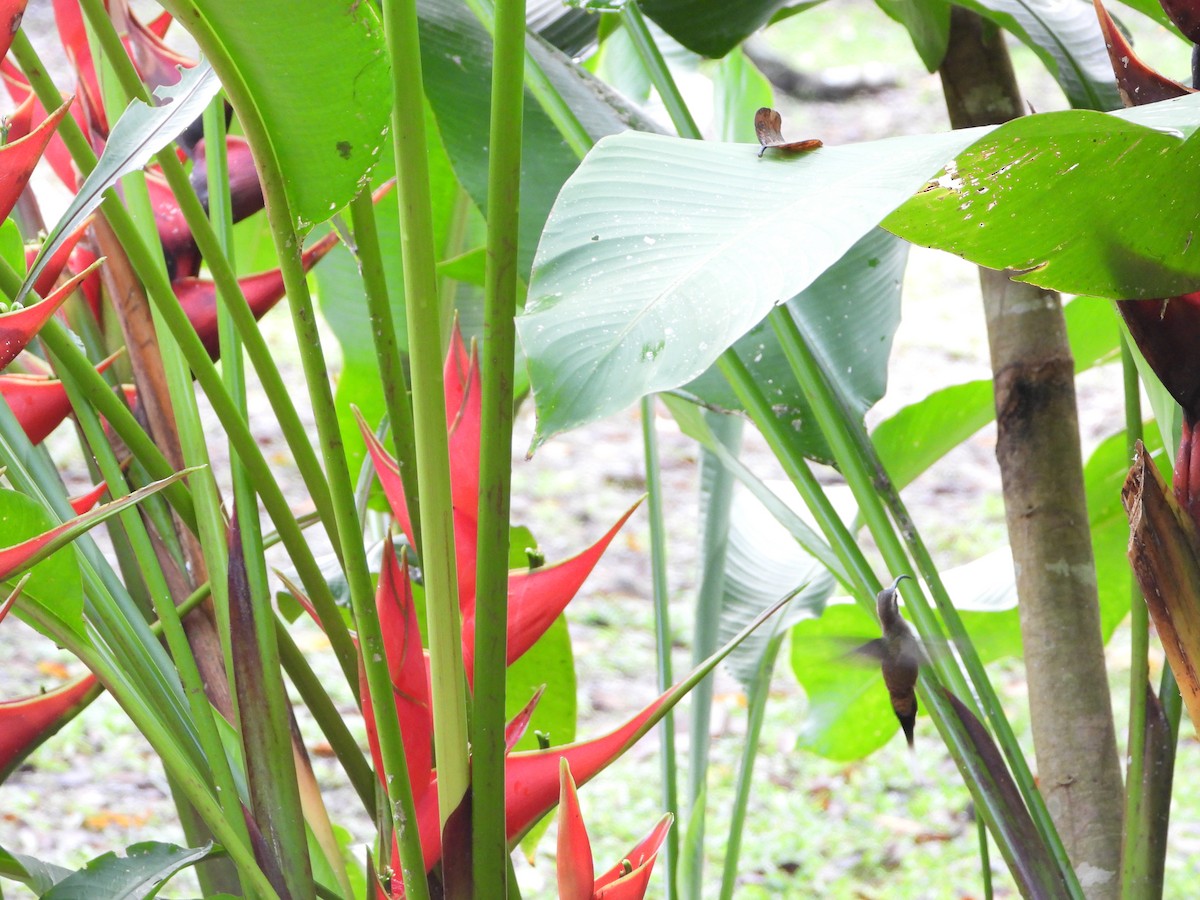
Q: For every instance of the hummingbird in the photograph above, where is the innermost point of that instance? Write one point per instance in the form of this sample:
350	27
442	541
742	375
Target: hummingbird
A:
900	656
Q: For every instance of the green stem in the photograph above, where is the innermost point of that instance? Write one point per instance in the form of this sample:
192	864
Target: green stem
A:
662	636
429	415
656	68
489	838
759	691
709	596
549	99
387	352
985	864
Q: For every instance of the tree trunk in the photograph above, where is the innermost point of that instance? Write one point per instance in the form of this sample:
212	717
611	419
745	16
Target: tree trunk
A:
1041	470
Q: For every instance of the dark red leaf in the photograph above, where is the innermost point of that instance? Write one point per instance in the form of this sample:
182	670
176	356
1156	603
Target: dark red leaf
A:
39	404
198	296
1186	16
1137	82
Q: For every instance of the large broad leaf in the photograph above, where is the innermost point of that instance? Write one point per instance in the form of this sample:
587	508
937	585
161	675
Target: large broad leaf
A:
1067	38
456	55
763	562
852	311
140	873
38	876
320	81
1123	216
141	132
660	253
927	23
711	29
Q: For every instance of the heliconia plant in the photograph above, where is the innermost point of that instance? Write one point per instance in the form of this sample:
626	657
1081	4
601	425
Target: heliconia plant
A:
651	264
629	879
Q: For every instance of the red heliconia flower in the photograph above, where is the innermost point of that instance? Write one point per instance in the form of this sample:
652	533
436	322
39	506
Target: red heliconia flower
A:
18	326
30	109
531	777
26	722
39	404
536	596
19	157
198	296
72	258
627	880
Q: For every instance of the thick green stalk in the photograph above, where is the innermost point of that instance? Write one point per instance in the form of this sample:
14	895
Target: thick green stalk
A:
868	481
709	596
549	99
656	68
429	413
662	636
489	838
760	690
387	352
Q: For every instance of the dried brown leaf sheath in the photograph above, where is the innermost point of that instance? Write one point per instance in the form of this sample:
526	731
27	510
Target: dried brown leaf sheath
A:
768	126
1164	549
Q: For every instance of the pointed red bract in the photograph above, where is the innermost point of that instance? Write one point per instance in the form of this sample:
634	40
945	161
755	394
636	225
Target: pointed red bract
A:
1137	82
623	882
19	157
18	327
11	13
39	404
515	729
536	598
576	875
198	296
245	189
58	260
30	109
24	722
73	34
86	501
406	666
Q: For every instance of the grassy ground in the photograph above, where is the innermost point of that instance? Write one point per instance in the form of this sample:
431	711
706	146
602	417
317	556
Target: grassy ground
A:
895	825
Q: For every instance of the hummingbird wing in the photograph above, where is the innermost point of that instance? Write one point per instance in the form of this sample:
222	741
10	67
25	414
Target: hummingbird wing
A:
875	650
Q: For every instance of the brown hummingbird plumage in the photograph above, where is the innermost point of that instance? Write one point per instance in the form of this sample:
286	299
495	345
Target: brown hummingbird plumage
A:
900	656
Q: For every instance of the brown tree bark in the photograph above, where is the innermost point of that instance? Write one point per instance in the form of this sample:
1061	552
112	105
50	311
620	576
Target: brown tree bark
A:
1042	474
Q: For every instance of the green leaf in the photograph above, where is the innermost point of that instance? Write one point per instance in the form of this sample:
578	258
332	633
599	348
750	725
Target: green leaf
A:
739	90
848	715
144	869
38	876
1067	38
927	23
550	662
141	132
1123	217
12	246
456	55
762	562
852	311
661	252
320	82
55	583
711	29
